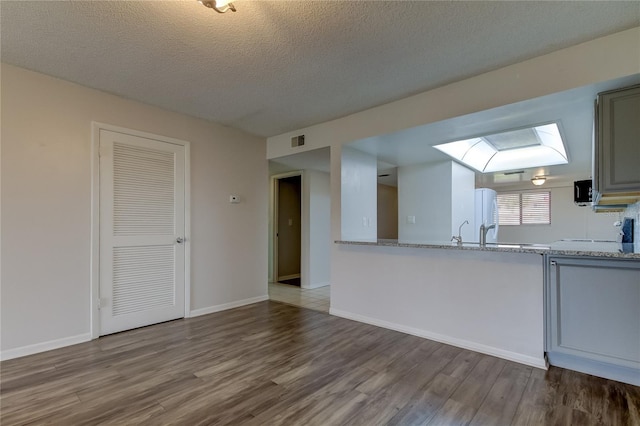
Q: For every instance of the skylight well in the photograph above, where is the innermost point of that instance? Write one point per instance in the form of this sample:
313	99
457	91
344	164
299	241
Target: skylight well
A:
515	149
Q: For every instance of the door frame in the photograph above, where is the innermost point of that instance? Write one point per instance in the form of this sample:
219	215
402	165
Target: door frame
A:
274	221
94	292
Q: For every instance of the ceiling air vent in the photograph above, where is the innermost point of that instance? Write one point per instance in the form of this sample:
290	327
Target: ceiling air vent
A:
297	141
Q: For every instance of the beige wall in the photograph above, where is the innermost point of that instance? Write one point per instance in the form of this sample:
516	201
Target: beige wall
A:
46	205
387	212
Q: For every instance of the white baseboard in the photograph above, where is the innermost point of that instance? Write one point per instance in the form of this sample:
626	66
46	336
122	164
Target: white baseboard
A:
461	343
44	346
225	306
86	337
317	285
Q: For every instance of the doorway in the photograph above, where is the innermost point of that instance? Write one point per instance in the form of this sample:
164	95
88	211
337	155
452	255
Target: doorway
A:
140	255
288	229
313	170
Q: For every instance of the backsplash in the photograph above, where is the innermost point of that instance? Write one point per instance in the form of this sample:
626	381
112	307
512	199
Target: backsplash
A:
633	211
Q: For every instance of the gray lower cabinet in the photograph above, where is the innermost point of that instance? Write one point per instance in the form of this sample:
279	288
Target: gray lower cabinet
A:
593	316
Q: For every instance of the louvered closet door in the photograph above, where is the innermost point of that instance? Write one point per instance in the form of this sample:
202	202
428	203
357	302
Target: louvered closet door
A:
142	263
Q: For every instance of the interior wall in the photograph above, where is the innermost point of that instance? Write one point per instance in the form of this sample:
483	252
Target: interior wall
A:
387	212
602	59
289	227
359	196
317	189
567	221
439	197
424	197
465	298
463	196
46	206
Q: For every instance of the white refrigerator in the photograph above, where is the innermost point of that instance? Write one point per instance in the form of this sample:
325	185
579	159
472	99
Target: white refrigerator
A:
486	213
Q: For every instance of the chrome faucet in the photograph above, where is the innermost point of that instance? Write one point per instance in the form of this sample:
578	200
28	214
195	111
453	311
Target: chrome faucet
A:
483	234
458	239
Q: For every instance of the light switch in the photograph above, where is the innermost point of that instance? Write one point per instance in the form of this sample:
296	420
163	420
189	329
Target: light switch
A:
364	221
411	219
290	222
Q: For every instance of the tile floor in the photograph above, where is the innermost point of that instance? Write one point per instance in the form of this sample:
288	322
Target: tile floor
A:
316	299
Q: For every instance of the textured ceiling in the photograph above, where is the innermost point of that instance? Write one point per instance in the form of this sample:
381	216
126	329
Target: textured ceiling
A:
276	66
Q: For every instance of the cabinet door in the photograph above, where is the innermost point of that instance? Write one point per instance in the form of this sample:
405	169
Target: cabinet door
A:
619	141
594	314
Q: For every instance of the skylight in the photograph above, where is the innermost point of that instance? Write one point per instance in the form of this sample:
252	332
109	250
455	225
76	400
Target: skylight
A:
514	149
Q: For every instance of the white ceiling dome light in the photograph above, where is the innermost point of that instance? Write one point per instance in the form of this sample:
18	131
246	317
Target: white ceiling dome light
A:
220	6
538	180
513	149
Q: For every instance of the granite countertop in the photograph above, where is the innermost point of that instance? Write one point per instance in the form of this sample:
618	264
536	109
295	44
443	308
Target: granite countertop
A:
590	248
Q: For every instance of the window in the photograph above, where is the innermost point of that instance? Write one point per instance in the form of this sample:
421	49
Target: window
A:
513	149
525	208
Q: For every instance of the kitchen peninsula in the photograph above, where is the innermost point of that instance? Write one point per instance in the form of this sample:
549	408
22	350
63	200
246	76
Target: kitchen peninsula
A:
494	299
573	303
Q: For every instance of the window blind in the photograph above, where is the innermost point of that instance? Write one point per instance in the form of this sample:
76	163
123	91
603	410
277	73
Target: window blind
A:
525	208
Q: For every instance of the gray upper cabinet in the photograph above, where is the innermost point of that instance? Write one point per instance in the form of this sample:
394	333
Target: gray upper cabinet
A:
617	142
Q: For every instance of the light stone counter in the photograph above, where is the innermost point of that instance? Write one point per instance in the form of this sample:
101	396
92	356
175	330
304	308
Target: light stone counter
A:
563	248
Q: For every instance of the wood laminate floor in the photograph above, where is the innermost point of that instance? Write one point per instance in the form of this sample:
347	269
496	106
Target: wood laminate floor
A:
317	299
276	364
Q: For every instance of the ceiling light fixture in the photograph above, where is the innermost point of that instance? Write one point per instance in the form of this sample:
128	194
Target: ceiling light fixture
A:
220	6
538	180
